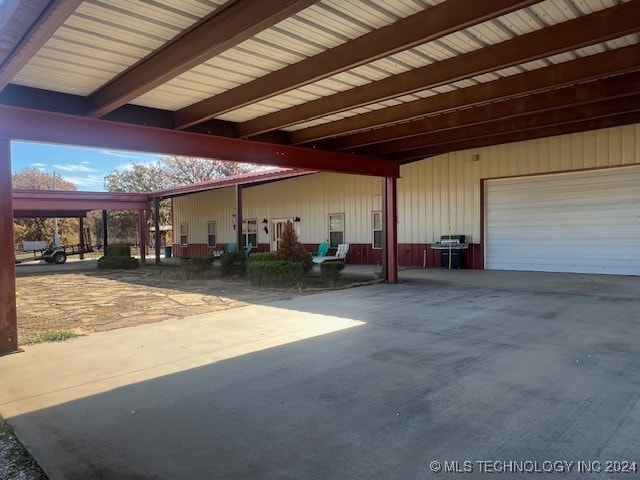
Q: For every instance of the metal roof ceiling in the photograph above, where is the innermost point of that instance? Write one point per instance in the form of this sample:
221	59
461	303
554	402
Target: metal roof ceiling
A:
318	73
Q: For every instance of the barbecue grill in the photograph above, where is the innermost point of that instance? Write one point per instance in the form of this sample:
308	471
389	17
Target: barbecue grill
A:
452	250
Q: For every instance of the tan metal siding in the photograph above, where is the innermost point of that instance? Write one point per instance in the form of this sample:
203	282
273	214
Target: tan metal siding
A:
436	196
448	186
310	197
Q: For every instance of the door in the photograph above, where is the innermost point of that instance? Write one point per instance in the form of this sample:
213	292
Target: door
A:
277	227
580	222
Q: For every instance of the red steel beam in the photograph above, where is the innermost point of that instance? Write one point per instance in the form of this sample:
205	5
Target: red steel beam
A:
613	62
48	16
46	202
597	27
412	134
20	213
499	139
585	117
31	125
405	33
8	313
215	34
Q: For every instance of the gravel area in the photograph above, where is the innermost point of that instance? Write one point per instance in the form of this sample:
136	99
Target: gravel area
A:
15	461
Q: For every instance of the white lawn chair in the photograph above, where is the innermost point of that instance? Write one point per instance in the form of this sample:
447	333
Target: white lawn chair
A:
341	254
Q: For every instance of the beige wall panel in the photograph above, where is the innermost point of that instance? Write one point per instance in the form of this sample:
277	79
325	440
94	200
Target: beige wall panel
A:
310	197
448	186
435	196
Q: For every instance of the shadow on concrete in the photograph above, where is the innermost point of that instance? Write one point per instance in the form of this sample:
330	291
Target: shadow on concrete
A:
448	375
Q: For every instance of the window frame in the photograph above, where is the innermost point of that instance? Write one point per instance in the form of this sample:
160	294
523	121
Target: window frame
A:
184	235
330	231
246	234
374	229
214	234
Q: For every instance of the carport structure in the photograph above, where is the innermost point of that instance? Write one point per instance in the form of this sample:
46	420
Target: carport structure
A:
358	86
72	204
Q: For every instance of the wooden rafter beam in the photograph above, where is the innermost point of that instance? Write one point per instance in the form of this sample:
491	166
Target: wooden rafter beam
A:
534	121
32	23
410	135
406	33
511	137
220	31
38	126
612	62
596	27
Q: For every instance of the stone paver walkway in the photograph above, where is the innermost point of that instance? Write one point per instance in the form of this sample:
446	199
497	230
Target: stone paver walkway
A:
93	301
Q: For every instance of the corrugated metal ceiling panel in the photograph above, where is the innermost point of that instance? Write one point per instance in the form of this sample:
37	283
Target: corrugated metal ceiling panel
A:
320	27
583	52
96	35
524	21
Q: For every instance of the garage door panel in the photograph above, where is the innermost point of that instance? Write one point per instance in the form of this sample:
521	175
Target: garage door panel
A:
584	222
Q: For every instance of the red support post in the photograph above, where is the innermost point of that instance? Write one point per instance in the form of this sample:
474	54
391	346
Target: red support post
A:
81	236
390	251
238	219
142	226
8	313
156	221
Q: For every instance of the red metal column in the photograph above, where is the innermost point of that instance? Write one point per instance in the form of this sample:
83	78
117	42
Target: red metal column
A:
390	251
142	226
105	232
156	220
239	236
8	314
81	236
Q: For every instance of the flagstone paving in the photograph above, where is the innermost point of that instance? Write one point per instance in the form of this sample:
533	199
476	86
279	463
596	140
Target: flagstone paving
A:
92	301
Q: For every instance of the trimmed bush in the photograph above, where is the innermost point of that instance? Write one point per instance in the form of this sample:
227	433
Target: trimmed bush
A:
117	262
118	249
330	271
263	257
278	273
234	264
200	262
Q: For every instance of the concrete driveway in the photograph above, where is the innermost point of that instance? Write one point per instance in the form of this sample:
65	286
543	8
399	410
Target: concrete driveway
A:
376	382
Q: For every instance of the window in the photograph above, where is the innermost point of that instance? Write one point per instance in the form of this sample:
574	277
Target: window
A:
211	234
376	226
250	232
184	234
336	229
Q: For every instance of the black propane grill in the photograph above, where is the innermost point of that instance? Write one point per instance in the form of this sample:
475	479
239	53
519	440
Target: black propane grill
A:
452	250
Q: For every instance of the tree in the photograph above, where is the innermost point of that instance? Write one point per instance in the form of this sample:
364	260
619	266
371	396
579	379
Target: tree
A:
138	178
291	249
168	172
42	228
187	170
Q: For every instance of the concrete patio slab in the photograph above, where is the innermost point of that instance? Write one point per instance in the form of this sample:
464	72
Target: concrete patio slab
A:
369	383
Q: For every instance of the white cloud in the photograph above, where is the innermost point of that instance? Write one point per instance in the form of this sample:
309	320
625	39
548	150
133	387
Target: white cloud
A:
85	163
74	168
139	157
87	180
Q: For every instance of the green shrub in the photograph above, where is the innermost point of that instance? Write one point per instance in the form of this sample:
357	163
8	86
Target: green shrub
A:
200	262
116	262
330	271
278	273
234	264
263	257
118	250
292	250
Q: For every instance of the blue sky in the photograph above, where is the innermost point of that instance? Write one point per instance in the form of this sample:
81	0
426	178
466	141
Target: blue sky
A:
86	167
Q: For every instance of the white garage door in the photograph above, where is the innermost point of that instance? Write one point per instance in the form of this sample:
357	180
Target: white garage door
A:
583	222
